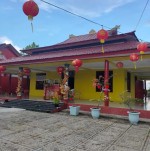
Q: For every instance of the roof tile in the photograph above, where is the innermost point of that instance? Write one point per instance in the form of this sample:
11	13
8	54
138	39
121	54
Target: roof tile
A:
75	52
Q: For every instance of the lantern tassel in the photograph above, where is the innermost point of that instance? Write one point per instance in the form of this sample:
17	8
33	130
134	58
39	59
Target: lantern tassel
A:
102	50
134	65
76	68
32	26
141	57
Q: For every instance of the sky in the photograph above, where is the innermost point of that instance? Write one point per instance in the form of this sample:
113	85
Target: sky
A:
52	25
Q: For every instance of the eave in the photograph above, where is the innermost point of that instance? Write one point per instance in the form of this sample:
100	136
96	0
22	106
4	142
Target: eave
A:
91	53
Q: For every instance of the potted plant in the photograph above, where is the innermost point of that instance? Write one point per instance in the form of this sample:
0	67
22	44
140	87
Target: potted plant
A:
95	111
56	102
103	87
56	99
133	115
71	95
74	109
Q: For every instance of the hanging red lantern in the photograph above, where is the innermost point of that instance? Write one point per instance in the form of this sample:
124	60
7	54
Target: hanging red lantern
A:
142	47
102	35
134	57
119	64
60	70
26	71
2	69
31	9
77	63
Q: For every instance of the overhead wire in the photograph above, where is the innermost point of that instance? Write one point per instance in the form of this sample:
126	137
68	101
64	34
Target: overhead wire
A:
75	14
94	21
141	15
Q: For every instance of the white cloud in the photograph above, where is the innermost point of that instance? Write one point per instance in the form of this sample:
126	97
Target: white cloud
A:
6	40
7	8
16	1
115	4
86	8
42	5
147	23
45	6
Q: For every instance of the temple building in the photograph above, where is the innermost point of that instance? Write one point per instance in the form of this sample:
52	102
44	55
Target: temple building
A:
40	66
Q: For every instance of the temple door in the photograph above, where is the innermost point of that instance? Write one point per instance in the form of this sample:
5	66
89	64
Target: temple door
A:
139	89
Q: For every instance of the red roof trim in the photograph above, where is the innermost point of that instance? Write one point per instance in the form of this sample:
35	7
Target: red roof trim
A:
83	53
67	58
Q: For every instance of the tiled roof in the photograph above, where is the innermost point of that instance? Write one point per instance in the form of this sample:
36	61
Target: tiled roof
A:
93	36
2	46
75	40
113	48
80	38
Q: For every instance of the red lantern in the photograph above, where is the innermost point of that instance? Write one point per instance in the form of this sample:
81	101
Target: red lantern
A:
60	70
2	69
26	71
119	64
102	35
134	57
77	63
142	47
31	9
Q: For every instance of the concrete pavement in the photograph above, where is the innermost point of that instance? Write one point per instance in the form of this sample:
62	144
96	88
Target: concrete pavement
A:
22	130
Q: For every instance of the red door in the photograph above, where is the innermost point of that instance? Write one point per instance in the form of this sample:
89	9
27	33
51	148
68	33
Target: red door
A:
139	89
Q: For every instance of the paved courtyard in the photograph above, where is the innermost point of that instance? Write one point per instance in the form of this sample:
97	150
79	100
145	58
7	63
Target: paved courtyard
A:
22	130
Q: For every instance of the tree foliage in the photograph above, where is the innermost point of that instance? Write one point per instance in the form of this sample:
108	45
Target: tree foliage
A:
31	46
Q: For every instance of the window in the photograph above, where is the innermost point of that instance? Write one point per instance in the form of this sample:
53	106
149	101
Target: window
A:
40	77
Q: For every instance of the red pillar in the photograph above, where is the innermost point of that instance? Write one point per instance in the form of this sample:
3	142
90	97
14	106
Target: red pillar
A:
10	91
0	84
106	80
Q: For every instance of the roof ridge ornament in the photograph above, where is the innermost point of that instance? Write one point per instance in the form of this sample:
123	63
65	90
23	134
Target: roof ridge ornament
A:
92	31
71	35
114	30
